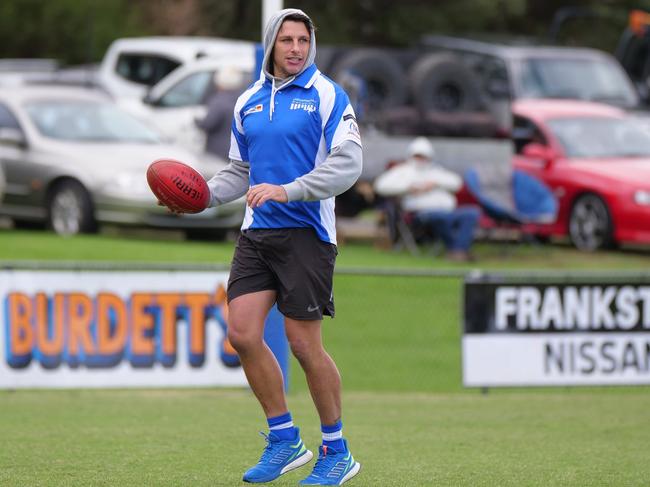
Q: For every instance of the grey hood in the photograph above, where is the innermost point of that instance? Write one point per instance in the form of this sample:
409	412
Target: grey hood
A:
271	32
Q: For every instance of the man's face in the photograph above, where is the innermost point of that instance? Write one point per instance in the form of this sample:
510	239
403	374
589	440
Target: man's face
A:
421	159
290	49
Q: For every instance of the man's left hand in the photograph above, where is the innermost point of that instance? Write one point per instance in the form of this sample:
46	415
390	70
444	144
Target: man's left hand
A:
261	193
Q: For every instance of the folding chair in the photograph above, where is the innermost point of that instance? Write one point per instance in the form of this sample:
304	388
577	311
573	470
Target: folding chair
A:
513	200
405	230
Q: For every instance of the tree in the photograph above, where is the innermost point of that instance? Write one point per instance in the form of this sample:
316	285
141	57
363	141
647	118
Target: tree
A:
78	32
72	31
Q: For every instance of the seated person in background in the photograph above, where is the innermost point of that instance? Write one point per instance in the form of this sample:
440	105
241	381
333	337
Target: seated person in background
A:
428	191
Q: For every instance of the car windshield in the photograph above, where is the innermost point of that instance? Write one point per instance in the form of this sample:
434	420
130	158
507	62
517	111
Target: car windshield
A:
87	121
602	137
579	79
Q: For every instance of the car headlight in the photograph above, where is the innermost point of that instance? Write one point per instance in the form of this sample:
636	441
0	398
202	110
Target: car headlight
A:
642	197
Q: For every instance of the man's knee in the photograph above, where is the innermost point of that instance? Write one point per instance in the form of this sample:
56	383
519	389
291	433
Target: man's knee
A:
303	349
243	338
299	348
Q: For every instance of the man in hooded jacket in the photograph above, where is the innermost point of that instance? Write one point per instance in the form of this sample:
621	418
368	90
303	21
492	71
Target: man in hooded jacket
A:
295	145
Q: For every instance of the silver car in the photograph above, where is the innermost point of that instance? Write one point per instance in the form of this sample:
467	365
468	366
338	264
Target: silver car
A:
72	160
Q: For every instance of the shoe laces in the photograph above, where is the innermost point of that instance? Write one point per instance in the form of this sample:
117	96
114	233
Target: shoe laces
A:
269	448
324	462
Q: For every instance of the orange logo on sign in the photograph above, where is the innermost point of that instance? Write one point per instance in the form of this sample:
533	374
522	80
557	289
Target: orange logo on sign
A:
104	330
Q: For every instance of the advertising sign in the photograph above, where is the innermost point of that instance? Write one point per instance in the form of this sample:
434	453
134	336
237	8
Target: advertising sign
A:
555	333
120	329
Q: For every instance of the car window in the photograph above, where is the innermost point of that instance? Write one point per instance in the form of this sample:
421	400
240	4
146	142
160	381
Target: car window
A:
144	69
87	122
525	131
191	90
576	78
7	119
602	137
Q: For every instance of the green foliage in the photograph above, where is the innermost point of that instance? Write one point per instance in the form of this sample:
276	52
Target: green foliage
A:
383	22
79	32
74	32
232	19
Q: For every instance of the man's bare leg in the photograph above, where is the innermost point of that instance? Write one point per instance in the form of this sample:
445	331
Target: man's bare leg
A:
323	377
246	317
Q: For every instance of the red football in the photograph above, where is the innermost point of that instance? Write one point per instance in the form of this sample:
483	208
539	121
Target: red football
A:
178	186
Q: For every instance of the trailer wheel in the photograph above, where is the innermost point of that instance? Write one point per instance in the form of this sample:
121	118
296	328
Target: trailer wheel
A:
440	82
383	77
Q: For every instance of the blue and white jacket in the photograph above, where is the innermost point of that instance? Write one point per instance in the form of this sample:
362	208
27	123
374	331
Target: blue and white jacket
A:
299	133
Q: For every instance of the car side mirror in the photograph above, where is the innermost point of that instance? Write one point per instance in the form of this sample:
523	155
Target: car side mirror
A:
539	151
148	99
12	136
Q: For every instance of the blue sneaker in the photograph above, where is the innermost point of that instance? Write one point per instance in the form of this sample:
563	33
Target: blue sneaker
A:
279	456
332	467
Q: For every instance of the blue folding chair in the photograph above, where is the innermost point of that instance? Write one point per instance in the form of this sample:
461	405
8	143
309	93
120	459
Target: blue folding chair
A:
515	199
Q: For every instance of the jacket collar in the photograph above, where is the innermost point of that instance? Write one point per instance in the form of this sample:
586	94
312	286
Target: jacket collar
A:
305	79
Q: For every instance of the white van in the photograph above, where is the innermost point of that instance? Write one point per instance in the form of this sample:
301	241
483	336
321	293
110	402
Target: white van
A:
132	65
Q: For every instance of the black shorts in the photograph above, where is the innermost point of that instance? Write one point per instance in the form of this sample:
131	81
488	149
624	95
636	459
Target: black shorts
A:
294	262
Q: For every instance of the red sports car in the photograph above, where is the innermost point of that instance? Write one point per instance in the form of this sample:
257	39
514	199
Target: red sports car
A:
596	159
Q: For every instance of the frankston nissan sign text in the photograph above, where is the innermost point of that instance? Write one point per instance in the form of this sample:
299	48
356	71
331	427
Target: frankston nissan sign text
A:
556	333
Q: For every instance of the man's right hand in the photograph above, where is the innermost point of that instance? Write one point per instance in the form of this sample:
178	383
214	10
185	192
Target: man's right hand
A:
171	210
261	193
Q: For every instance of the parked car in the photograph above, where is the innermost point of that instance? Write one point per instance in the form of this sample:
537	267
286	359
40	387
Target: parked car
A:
16	70
632	48
525	70
596	158
455	86
132	65
175	103
73	160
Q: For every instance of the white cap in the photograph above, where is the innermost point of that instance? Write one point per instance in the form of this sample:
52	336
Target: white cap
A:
421	147
228	78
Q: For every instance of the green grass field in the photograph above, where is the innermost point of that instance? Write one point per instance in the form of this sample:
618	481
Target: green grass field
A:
396	340
209	437
125	247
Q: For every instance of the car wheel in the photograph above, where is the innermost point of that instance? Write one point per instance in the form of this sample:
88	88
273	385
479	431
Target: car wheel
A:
70	209
590	223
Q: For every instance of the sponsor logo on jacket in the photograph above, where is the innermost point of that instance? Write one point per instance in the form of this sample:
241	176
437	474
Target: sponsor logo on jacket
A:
306	105
255	109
